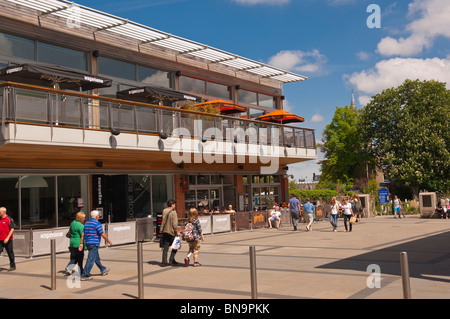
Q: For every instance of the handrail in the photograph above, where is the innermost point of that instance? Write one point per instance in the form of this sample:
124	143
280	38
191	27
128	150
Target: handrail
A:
131	103
289	136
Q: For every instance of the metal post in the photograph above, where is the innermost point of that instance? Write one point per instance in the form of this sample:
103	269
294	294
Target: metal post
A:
53	262
405	275
140	271
253	272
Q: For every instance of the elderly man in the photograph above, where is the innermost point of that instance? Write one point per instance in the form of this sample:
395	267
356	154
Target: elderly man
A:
92	233
6	236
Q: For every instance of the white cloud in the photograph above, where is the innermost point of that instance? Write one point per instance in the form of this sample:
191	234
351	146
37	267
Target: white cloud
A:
393	72
300	61
317	117
432	21
364	56
271	2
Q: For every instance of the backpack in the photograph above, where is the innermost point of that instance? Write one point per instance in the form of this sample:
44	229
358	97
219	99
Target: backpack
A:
188	232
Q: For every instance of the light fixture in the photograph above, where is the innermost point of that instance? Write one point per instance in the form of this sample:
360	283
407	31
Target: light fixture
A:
162	135
99	163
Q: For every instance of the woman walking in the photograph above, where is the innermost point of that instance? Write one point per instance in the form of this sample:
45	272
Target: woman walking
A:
348	213
334	213
194	244
76	256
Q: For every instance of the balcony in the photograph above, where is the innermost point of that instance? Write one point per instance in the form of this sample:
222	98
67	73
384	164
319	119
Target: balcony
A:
51	129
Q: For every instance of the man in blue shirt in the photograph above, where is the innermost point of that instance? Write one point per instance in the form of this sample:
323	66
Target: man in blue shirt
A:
308	209
294	207
92	233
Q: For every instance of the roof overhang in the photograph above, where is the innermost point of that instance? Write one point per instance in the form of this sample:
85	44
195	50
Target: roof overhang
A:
100	22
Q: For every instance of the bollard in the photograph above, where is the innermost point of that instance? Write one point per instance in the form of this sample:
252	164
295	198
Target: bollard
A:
253	272
140	271
405	275
53	263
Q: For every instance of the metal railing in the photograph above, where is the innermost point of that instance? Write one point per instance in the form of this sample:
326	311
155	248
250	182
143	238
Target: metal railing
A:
27	104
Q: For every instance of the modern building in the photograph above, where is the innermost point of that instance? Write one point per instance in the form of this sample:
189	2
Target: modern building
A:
66	150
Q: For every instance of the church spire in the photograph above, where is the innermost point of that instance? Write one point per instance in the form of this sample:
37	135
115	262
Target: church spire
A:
353	104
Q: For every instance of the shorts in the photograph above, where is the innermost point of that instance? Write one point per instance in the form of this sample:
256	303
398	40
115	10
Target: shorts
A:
396	209
274	218
194	246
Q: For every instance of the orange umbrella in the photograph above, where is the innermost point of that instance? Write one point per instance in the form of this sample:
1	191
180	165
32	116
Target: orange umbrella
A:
281	116
225	107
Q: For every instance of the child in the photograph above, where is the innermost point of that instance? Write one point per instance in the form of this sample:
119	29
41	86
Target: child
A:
194	245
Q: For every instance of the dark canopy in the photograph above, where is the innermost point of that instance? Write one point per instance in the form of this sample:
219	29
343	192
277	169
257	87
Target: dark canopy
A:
156	95
54	76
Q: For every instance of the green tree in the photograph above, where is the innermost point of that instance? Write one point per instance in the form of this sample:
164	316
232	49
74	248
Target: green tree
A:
341	145
406	129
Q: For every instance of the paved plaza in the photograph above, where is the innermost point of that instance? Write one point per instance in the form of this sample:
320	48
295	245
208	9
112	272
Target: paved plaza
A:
319	264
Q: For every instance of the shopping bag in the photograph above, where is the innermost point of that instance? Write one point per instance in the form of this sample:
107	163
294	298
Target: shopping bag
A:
352	219
176	243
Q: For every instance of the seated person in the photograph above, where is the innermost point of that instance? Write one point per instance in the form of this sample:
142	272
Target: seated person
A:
206	210
275	215
216	210
441	210
230	210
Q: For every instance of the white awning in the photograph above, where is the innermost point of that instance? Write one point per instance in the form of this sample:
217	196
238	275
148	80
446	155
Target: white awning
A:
103	22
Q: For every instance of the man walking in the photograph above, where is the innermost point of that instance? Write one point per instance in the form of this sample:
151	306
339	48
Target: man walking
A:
6	237
308	209
169	229
294	207
92	233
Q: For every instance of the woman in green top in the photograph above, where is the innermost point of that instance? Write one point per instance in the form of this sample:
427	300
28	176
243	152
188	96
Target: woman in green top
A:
76	256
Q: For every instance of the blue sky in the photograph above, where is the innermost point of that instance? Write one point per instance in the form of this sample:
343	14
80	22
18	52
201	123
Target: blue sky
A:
327	40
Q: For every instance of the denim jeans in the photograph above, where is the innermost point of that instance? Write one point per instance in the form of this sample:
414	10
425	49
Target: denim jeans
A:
92	258
333	220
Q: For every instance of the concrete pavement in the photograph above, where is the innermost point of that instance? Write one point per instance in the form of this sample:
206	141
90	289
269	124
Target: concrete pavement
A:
319	264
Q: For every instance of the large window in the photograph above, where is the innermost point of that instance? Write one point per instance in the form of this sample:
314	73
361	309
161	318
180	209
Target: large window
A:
255	98
211	89
45	201
12	46
139	74
61	56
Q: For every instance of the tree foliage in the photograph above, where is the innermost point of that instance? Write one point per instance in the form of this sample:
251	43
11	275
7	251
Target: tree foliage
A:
407	131
342	147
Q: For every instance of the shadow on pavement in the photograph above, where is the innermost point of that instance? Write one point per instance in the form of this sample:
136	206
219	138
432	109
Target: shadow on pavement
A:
428	258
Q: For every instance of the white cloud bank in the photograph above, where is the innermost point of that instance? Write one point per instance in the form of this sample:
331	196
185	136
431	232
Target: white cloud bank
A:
300	61
393	72
433	22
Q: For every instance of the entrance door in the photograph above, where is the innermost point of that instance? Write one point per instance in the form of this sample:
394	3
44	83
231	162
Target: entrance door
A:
110	193
229	197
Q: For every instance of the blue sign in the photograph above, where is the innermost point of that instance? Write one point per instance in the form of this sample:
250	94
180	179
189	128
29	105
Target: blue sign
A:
383	195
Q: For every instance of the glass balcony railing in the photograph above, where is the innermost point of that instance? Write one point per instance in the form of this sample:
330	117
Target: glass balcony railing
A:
26	104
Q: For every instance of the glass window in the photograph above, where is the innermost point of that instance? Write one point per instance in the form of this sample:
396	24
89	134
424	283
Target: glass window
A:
9	196
16	47
38	201
192	85
153	77
266	100
203	179
138	196
255	112
72	198
219	90
247	97
116	68
61	56
162	191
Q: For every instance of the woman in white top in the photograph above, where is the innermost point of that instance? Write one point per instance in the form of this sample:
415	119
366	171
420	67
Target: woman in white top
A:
334	213
348	212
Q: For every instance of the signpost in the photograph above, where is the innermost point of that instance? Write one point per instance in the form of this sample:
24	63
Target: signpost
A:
383	195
